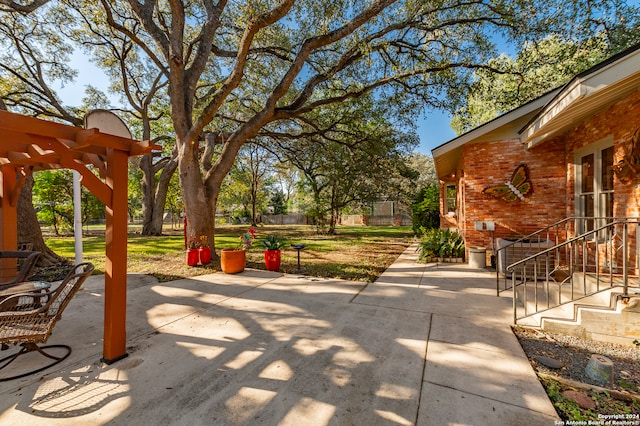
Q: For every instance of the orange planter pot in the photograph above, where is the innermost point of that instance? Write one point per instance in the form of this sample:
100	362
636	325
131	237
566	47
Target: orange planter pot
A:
232	261
272	260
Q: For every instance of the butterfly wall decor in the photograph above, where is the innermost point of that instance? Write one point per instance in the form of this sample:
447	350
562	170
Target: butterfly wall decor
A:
517	188
628	166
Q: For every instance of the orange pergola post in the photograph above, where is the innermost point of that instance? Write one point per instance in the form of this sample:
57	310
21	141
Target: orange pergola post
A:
9	220
8	208
115	279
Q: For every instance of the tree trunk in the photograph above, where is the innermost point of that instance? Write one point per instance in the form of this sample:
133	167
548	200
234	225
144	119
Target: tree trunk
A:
154	192
148	196
155	195
200	207
336	205
321	222
254	201
29	229
335	215
161	195
200	193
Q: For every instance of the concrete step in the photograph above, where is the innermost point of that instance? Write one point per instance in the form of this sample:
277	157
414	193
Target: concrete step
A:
554	294
618	322
567	310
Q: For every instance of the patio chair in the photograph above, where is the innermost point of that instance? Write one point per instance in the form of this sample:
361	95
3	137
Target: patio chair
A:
28	318
17	270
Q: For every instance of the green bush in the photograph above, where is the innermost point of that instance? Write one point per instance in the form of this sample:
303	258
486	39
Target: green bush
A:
441	243
426	210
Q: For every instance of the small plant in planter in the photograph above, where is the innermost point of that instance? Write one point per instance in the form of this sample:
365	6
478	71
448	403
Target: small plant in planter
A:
193	243
246	239
233	260
273	242
192	251
204	251
273	246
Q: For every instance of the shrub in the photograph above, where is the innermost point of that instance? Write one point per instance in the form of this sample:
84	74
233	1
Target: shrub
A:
425	209
441	243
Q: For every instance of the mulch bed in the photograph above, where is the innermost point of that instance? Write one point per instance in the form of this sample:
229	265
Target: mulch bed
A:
560	362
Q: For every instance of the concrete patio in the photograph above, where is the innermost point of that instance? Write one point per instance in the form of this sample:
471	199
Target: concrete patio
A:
425	345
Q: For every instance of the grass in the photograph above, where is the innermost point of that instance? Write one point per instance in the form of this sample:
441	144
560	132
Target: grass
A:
354	253
570	411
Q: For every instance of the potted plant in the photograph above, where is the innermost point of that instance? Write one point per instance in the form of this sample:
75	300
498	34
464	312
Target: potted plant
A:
273	245
192	252
233	260
204	251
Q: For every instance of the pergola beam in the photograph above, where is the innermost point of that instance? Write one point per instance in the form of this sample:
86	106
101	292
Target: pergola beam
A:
29	144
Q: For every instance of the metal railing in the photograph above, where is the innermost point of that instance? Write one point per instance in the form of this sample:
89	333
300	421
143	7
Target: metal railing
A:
573	267
534	242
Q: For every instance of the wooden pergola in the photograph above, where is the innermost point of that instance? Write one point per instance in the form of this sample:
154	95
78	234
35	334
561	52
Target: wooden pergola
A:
30	144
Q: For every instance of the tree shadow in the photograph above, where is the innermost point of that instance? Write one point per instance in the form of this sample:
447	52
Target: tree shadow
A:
238	350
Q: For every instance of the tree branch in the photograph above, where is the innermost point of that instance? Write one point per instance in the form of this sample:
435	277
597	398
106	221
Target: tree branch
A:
24	8
149	26
237	72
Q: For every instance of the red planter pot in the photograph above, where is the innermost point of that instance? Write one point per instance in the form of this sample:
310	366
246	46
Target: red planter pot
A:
272	260
192	256
205	255
232	261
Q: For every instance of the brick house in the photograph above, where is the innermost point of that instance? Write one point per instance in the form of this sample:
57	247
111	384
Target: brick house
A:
568	140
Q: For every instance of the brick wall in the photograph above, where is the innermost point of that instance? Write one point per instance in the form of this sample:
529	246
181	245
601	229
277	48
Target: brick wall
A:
551	172
492	163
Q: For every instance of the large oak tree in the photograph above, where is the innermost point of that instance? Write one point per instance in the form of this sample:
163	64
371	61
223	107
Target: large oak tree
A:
237	68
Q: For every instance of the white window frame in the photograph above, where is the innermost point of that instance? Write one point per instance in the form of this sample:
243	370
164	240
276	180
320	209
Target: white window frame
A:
596	149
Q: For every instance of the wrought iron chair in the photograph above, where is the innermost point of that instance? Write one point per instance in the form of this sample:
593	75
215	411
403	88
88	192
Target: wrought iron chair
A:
28	318
17	270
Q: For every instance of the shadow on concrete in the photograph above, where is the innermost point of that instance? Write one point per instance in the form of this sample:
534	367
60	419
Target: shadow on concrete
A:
221	350
267	348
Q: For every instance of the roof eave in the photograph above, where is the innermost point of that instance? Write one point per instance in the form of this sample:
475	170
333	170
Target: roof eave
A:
585	94
448	153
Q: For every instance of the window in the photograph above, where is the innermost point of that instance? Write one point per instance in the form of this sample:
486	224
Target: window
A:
594	184
450	198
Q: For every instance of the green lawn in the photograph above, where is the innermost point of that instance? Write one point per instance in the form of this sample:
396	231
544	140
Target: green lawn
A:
355	252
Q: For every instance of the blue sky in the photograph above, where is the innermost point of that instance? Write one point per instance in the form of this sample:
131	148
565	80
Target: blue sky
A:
434	130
